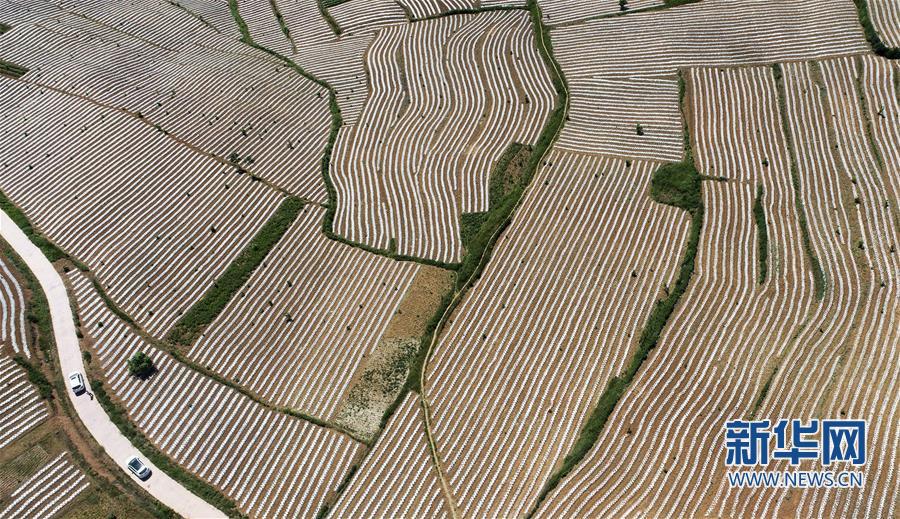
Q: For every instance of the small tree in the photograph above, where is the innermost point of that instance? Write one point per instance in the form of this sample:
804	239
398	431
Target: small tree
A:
639	129
141	365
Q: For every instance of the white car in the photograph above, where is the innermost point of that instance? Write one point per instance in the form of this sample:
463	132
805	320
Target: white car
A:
76	382
137	467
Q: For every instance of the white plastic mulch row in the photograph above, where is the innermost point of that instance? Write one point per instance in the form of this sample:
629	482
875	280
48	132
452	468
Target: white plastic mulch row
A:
269	463
21	407
622	70
45	493
12	311
300	328
556	314
433	126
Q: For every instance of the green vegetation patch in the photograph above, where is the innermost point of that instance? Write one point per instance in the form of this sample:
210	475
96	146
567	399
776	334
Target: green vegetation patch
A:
36	377
12	70
762	235
204	490
875	41
4	28
141	365
192	323
677	184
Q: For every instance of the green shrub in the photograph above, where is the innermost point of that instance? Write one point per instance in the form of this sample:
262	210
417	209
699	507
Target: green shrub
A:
677	184
36	377
141	365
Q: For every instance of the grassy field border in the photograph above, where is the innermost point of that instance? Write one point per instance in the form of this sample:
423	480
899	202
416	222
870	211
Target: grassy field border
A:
683	191
874	39
190	325
815	265
762	235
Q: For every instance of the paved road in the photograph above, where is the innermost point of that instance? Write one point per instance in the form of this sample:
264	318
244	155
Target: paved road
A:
160	485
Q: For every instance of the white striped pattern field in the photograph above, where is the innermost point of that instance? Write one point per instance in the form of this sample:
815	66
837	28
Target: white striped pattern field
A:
852	370
622	69
137	58
448	97
299	329
397	478
46	492
886	19
557	12
359	15
21	407
658	453
730	334
13	330
214	13
269	463
556	314
156	221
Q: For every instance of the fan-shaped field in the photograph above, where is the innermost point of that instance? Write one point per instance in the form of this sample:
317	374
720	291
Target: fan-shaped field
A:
556	314
622	69
448	96
269	463
397	478
303	323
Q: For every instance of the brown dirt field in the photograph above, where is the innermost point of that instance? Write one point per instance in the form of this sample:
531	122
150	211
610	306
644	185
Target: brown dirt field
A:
380	379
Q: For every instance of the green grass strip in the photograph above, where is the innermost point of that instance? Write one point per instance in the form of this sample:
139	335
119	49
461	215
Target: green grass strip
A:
48	248
191	482
4	28
12	70
690	200
875	41
192	323
36	377
818	273
239	21
762	235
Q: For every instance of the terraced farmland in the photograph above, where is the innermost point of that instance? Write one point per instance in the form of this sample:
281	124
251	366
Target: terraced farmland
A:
621	70
269	463
302	325
556	314
134	58
422	151
92	180
422	258
50	489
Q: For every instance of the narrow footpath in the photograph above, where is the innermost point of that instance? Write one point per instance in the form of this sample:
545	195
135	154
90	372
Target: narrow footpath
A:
159	485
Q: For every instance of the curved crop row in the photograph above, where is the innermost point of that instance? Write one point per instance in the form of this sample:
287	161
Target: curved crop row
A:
397	478
622	69
211	92
448	97
360	15
156	232
555	315
12	311
658	452
558	12
301	326
269	463
843	366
